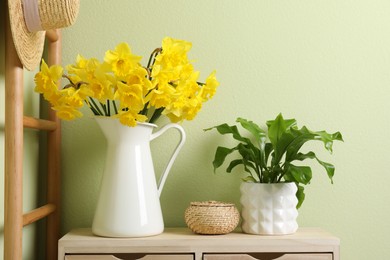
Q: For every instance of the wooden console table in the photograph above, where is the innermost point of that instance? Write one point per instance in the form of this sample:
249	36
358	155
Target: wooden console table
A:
181	243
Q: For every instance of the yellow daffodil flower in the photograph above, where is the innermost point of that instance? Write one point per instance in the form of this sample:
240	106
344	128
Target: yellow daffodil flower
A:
119	86
130	118
46	79
209	89
67	112
130	96
161	96
121	59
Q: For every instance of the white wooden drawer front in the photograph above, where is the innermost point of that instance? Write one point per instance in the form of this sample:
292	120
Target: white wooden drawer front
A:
262	256
129	257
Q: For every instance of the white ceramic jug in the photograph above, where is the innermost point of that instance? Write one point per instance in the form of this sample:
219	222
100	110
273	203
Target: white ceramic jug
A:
128	203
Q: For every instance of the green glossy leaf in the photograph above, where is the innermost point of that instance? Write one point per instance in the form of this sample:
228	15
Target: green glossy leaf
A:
233	164
220	155
267	176
288	177
328	139
311	155
237	162
300	195
276	128
227	129
289	123
249	179
300	174
249	157
304	134
329	169
304	156
280	136
260	136
268	150
300	137
282	145
253	128
246	153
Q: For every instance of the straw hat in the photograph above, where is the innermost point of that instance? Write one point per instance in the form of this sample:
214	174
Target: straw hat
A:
29	19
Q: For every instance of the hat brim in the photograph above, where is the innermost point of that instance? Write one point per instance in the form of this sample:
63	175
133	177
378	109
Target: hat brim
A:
29	46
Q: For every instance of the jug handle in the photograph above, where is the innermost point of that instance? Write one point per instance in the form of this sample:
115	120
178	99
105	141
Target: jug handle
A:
175	152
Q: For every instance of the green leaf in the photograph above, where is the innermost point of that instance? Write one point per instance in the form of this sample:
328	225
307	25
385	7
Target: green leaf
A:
260	136
328	139
253	128
249	179
304	156
299	174
227	129
220	155
281	146
304	134
289	123
300	137
246	153
237	162
268	149
276	128
300	195
311	155
246	165
329	169
280	136
233	164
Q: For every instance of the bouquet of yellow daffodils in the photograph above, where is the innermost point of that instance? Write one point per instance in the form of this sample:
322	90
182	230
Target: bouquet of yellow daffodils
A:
120	87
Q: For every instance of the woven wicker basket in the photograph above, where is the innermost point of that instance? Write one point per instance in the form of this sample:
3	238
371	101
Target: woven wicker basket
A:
212	217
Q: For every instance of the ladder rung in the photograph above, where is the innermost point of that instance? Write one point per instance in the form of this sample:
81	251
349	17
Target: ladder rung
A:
41	124
52	35
37	214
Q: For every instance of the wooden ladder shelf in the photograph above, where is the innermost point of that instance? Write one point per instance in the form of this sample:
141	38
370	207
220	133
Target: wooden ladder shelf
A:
15	122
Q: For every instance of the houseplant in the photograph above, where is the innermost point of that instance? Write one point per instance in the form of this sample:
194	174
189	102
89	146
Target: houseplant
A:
126	99
269	157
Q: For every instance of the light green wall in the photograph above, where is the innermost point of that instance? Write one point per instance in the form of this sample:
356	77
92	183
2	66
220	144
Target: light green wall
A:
31	152
326	63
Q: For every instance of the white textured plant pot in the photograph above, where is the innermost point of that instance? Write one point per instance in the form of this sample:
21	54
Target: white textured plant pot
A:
269	208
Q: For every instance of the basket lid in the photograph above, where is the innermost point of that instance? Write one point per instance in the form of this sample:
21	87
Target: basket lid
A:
211	203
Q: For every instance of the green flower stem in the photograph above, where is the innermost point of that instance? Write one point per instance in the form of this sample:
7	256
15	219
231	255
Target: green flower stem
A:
115	108
152	60
94	111
104	109
153	56
68	78
108	107
156	114
96	107
145	109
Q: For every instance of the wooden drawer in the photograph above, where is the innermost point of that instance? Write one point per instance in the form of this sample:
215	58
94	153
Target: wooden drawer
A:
267	256
131	257
182	243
